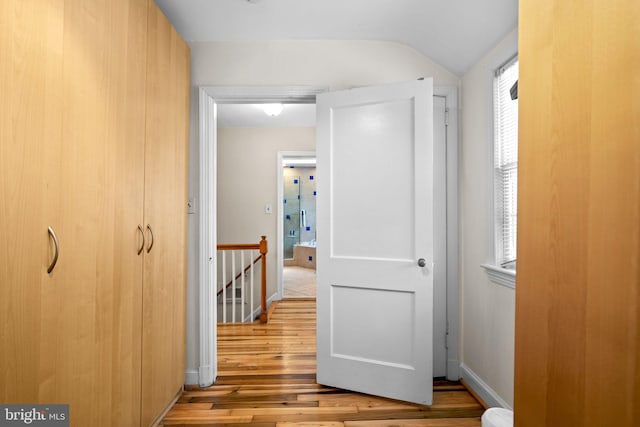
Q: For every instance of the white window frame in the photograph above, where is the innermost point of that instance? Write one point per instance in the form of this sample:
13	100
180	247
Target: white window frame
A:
496	273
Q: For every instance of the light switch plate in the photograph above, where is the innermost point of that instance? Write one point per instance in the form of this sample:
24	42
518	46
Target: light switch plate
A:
191	205
268	209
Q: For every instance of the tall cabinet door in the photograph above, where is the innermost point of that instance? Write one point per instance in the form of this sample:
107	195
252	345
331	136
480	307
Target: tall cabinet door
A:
166	151
30	121
90	310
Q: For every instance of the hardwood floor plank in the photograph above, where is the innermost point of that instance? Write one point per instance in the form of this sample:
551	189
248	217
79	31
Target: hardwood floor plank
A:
191	406
276	414
448	399
442	422
218	424
271	379
311	424
249	398
354	399
370	415
266	404
270	386
267	378
211	421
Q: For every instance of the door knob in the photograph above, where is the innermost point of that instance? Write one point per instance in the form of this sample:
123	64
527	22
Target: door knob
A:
422	262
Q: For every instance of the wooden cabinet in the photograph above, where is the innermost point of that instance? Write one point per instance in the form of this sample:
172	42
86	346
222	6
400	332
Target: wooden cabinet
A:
165	212
91	327
80	99
577	352
30	131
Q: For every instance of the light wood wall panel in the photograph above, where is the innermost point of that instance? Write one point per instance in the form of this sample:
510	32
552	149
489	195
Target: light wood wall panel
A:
166	151
578	284
30	130
71	157
91	322
73	132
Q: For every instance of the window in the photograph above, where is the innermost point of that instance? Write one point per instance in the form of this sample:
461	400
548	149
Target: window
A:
505	165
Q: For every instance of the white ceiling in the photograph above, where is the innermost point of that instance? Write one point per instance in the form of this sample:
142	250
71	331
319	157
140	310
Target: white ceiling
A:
453	33
245	115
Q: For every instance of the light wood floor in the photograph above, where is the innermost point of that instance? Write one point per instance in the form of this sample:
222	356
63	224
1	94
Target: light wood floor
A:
266	377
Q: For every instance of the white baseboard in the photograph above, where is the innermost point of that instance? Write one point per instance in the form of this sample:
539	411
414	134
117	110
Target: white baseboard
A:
487	394
191	377
256	312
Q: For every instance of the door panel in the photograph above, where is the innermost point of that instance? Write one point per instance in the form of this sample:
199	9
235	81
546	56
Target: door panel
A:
163	350
373	183
91	305
356	312
30	122
375	213
577	334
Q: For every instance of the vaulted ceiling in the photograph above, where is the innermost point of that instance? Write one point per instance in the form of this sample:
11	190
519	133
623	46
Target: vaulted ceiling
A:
453	33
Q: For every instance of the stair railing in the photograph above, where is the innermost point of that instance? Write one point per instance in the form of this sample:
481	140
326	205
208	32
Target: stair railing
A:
239	274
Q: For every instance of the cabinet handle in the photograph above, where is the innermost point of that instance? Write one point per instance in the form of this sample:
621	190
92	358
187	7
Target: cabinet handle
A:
52	234
152	239
141	233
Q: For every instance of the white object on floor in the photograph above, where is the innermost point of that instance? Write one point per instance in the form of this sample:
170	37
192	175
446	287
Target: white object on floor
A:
497	417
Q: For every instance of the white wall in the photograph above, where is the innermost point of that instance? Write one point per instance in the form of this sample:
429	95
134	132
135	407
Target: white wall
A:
247	180
335	64
339	64
488	309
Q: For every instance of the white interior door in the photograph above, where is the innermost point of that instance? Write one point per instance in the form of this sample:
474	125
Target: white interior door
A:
375	240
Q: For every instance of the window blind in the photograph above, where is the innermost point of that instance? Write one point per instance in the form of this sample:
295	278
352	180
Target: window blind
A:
505	163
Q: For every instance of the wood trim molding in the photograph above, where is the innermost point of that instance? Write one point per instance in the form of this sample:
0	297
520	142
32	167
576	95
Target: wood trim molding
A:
238	246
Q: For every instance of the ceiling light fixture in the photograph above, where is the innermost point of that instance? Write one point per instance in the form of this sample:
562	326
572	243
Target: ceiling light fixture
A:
272	109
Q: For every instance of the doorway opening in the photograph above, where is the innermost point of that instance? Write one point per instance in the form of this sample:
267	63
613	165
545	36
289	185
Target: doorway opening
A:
297	234
210	97
250	202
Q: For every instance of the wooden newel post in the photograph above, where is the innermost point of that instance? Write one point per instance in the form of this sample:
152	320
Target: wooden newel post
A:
263	251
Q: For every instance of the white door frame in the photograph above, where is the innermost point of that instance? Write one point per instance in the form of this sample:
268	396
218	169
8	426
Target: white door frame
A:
453	286
209	97
282	156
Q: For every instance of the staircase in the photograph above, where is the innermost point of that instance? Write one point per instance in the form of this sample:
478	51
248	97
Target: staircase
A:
242	275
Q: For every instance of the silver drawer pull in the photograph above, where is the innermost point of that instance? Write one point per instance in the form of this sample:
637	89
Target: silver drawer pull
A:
142	233
56	245
152	238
